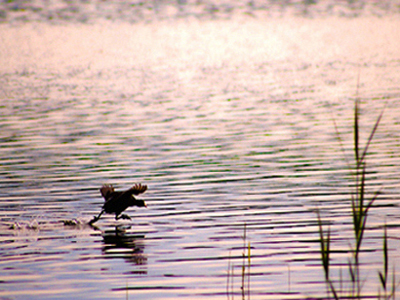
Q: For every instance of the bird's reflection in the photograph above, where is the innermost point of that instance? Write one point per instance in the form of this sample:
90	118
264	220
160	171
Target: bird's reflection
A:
119	243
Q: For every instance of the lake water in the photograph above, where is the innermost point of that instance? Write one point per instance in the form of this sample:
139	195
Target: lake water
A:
228	117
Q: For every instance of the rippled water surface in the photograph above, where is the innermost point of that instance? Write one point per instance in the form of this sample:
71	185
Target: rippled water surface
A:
228	122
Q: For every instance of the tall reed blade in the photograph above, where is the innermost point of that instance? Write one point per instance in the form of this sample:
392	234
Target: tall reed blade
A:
324	246
371	136
383	276
228	277
355	215
393	293
356	131
360	207
248	270
244	263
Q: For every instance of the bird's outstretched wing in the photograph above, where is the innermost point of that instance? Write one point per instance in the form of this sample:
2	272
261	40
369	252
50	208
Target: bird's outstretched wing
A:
138	189
106	190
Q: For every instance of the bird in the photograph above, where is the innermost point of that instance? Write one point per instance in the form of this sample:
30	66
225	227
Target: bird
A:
117	202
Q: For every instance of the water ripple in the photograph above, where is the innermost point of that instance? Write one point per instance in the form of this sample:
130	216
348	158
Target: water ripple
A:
242	135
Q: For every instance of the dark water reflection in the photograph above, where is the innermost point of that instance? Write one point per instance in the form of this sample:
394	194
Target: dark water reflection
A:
227	122
118	243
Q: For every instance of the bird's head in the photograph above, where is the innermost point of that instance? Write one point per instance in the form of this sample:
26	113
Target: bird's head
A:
140	203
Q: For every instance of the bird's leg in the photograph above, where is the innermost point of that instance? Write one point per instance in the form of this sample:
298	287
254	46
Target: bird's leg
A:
126	217
95	219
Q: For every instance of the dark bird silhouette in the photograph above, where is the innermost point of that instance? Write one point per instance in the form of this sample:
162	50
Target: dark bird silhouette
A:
117	202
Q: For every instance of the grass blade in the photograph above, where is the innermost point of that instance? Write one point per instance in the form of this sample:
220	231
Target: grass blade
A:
383	280
228	276
248	271
371	136
356	131
324	247
393	293
385	254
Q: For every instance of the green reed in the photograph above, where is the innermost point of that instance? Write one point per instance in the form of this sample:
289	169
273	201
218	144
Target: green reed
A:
245	286
360	207
388	292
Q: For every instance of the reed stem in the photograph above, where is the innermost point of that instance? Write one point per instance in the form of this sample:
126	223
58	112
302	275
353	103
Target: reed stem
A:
359	212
